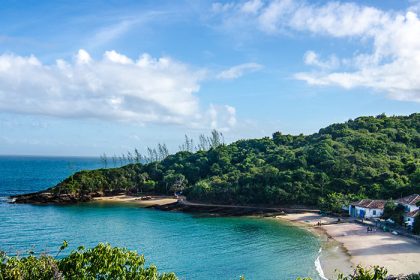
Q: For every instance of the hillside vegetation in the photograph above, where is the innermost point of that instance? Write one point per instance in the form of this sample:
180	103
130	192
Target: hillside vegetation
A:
377	157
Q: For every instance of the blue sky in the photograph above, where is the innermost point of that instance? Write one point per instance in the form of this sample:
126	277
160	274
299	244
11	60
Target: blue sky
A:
109	76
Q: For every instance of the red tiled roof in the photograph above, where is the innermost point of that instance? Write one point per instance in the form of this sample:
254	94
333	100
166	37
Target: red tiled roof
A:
410	200
370	203
413	213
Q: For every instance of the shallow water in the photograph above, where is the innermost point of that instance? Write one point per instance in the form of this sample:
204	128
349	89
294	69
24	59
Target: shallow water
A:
191	246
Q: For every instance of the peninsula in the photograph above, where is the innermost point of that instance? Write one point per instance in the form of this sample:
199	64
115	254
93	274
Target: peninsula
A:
375	157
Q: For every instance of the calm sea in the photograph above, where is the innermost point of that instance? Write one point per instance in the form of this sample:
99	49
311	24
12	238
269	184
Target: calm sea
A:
191	246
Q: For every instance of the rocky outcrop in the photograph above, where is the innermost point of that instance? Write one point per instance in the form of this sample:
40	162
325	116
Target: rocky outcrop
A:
46	197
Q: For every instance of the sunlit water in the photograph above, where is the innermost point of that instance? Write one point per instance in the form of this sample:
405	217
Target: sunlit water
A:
193	247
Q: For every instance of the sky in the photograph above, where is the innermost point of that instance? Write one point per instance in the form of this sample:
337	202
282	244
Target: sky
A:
97	77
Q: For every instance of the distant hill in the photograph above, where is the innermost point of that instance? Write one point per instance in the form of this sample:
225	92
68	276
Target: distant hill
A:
378	157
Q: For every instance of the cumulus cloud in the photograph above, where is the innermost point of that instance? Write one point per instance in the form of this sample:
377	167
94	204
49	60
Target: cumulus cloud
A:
238	71
116	87
391	66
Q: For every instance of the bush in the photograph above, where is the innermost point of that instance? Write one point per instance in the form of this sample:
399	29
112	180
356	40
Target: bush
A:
100	262
361	273
414	276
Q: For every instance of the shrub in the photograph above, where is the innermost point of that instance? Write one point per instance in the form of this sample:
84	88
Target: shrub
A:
101	262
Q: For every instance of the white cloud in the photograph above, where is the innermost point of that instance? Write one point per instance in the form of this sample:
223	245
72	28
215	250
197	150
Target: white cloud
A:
251	7
391	66
222	117
312	58
238	71
146	90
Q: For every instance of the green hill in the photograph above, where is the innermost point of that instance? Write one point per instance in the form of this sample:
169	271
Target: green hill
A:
378	157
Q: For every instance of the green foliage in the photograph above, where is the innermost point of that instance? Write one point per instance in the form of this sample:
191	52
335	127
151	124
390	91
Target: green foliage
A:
31	267
100	262
361	273
389	209
414	276
334	202
394	212
376	157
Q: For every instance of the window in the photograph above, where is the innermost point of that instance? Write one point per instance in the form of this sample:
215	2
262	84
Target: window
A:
374	212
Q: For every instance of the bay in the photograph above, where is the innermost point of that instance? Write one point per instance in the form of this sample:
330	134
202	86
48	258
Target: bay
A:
193	247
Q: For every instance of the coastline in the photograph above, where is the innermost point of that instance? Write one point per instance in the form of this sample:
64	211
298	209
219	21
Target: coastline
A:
344	245
333	257
347	244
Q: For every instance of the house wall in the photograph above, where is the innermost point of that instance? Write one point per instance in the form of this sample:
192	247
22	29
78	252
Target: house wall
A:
369	212
409	221
411	207
408	207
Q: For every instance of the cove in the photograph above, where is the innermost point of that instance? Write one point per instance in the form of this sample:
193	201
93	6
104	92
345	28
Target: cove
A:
194	247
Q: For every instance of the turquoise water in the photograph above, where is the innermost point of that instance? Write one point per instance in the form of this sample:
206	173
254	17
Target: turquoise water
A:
193	247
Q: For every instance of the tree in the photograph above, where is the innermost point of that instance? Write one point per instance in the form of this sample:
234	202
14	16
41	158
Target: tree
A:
137	156
394	212
333	202
188	145
104	160
163	151
100	262
175	182
216	139
389	209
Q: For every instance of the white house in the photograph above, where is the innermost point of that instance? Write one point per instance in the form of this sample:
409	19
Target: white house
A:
410	202
409	217
367	208
411	209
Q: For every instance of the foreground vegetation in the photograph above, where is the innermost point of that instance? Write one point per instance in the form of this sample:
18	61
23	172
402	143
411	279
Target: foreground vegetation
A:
106	263
376	157
100	262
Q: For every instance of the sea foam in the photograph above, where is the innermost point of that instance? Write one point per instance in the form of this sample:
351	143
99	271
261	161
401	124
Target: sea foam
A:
318	266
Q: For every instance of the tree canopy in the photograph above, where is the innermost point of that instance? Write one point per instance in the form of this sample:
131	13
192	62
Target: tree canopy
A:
376	157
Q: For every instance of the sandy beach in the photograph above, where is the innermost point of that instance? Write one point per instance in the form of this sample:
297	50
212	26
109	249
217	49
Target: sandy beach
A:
153	201
400	255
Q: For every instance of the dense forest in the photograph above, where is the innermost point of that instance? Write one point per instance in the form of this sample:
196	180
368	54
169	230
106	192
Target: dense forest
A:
376	157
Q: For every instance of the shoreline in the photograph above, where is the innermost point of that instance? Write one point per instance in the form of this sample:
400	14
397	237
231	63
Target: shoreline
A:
344	245
347	244
333	257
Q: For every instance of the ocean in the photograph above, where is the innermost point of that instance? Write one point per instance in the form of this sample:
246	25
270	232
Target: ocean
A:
194	247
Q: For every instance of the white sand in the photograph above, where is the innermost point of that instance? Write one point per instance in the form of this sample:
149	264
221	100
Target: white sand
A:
155	200
400	255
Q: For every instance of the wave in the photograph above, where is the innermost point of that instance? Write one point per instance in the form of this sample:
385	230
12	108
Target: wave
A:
318	266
